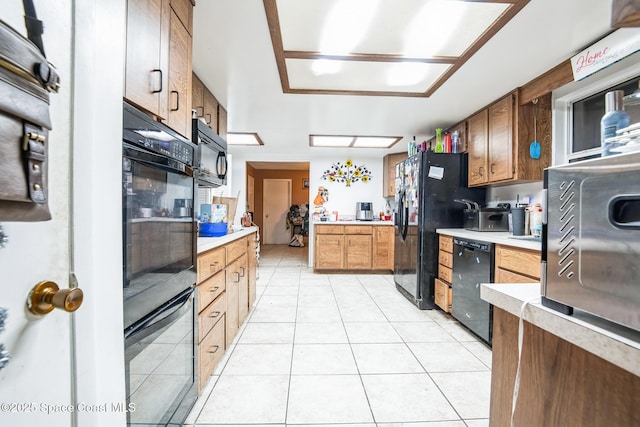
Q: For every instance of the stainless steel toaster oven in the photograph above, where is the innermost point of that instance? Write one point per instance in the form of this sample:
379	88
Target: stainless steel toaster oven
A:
591	238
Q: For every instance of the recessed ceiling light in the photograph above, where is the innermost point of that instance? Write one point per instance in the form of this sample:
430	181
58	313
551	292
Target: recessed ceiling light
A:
353	141
243	138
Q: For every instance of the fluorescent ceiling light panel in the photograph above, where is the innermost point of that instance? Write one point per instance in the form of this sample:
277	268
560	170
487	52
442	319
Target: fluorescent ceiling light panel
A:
243	138
375	141
353	141
330	141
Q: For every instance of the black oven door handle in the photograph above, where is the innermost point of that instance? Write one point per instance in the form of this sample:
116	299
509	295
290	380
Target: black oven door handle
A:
163	317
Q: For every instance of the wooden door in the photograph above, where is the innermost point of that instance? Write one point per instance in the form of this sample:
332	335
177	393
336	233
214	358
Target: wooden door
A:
146	75
477	148
179	77
501	140
276	196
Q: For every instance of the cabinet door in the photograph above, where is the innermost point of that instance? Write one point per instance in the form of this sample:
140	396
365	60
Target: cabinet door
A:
146	55
477	147
211	110
197	95
329	251
389	173
179	116
501	140
232	291
243	288
222	121
253	267
358	252
383	248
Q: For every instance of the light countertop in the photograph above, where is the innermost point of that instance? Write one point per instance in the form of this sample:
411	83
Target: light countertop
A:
352	222
501	237
208	243
609	341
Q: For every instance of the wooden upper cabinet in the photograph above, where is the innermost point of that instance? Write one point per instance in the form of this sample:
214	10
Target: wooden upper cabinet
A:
211	110
147	56
179	117
184	11
477	145
500	151
389	173
197	95
625	13
222	121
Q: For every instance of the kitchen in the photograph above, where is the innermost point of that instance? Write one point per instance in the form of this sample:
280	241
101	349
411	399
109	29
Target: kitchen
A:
96	255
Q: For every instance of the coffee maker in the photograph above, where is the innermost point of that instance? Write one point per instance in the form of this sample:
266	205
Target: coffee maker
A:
364	211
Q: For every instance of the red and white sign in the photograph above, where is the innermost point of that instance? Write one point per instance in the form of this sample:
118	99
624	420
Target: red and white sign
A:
607	51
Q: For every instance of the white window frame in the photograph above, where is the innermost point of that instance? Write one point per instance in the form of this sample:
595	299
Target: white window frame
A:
564	97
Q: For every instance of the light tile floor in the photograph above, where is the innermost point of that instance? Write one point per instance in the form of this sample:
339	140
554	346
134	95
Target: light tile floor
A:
327	349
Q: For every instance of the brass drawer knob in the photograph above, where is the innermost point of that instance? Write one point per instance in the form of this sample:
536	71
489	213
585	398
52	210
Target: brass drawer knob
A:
46	295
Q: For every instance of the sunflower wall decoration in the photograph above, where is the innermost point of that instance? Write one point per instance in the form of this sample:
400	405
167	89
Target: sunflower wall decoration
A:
347	173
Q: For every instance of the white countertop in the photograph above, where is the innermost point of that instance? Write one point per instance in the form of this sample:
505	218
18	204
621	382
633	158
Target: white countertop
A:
208	243
609	341
352	222
501	237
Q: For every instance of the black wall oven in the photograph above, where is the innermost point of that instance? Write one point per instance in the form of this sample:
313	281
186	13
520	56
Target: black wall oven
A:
159	238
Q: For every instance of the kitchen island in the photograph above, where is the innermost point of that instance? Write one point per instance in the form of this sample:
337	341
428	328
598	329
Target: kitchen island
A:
575	370
362	246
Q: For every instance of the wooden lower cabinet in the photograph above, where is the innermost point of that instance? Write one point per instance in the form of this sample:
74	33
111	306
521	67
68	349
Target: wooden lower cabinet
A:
353	247
358	252
383	241
226	291
516	265
329	251
561	384
442	286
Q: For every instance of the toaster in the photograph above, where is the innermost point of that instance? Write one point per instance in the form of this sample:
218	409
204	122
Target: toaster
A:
591	238
486	219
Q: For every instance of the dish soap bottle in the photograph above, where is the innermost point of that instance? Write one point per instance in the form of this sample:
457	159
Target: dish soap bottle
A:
439	147
615	118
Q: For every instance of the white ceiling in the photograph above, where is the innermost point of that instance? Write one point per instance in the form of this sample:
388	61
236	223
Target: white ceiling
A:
234	57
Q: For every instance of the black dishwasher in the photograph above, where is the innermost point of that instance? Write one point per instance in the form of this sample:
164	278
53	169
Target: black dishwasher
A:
472	265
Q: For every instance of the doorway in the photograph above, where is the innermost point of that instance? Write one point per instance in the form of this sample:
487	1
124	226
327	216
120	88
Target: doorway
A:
276	196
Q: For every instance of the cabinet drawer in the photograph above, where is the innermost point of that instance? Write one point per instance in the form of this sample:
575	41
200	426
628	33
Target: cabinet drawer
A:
210	351
442	296
445	273
522	261
446	259
505	276
446	243
210	262
211	315
210	289
329	229
236	248
358	229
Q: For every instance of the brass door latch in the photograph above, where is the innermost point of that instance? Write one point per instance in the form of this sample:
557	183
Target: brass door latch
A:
46	295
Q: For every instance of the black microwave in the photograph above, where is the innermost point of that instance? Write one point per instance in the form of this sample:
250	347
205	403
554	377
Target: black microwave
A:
211	159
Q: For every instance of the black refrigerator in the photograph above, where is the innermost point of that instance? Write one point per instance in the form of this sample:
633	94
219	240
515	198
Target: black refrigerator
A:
427	184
